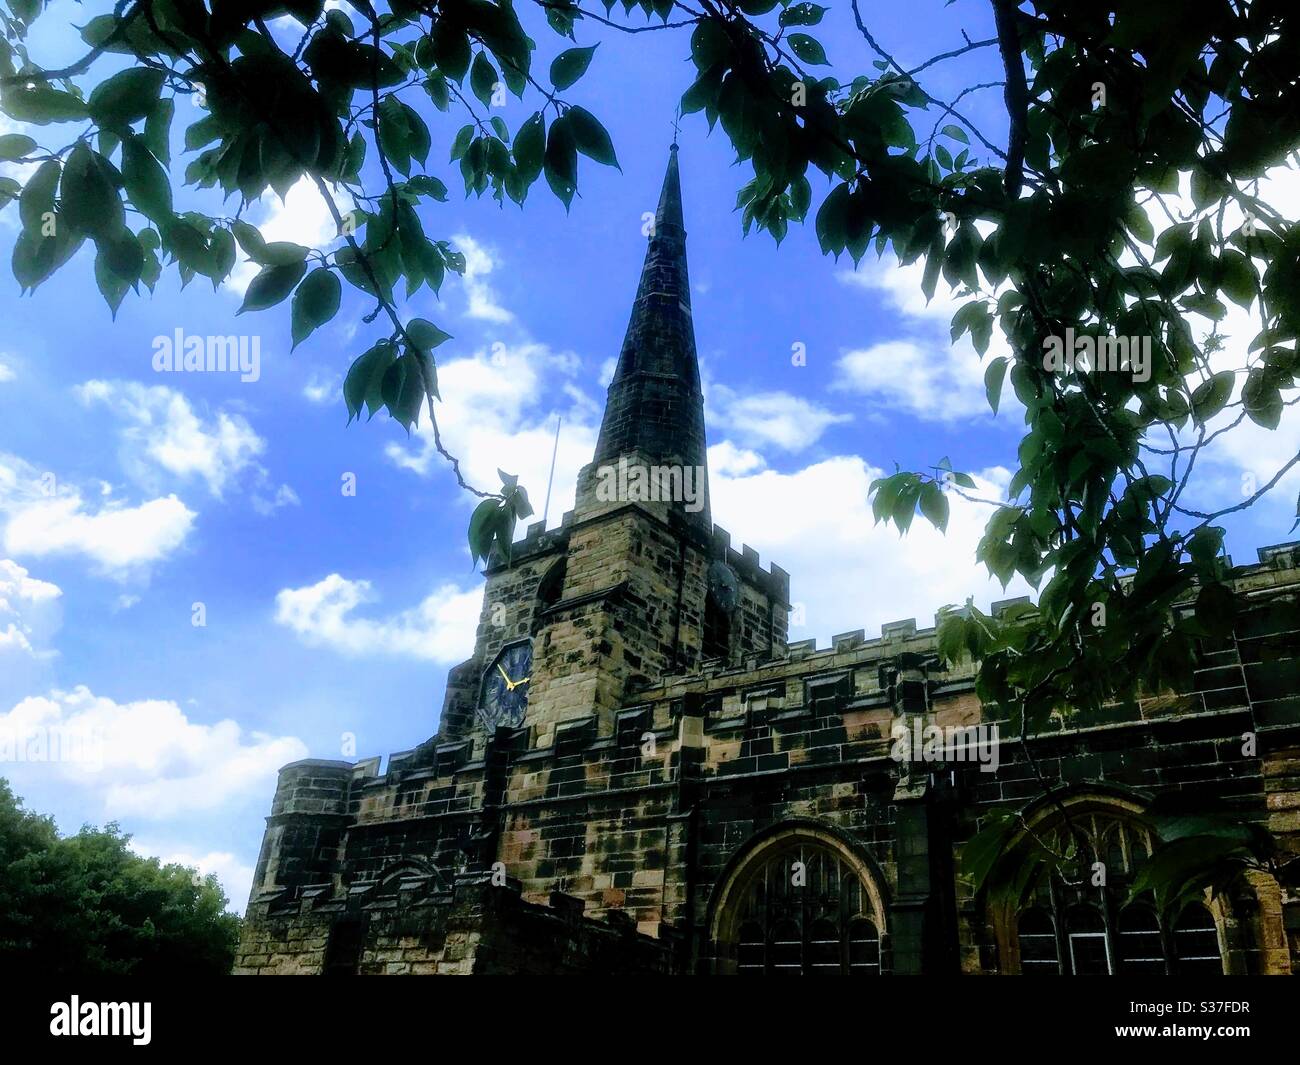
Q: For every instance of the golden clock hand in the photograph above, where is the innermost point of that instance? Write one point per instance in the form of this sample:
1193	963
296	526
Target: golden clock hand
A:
509	684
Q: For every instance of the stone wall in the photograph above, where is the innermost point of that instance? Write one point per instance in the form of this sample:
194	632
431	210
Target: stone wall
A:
639	813
479	928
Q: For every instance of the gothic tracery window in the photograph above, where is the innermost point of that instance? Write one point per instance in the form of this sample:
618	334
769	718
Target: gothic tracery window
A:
804	911
1081	921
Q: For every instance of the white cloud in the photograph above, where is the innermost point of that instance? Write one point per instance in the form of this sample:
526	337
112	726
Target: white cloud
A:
728	460
323	388
44	518
932	380
921	373
235	876
163	431
483	302
771	418
6	371
494	417
847	572
28	610
440	629
143	759
268	504
302	217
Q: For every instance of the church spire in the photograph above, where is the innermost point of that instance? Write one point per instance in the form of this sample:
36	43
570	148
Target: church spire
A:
655	408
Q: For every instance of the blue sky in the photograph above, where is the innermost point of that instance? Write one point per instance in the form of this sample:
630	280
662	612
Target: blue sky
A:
128	496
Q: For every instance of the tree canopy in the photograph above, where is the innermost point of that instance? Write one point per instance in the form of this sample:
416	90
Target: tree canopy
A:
1126	199
87	905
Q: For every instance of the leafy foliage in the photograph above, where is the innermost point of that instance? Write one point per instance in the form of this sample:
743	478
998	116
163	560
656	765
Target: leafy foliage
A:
1196	853
86	905
1124	202
492	526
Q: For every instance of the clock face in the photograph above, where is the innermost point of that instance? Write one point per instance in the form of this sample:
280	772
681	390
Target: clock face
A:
503	697
723	588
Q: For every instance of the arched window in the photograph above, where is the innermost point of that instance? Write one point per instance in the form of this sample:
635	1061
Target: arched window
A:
1196	943
1081	921
799	906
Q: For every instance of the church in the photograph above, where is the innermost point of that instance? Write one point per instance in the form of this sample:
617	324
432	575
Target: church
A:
637	772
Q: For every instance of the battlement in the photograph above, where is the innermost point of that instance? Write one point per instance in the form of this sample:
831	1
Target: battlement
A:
1277	558
774	581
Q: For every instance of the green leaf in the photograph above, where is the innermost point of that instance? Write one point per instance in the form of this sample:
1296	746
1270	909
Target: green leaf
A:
362	385
426	185
314	303
41	105
36	257
934	505
112	286
425	335
804	14
462	142
37	199
1237	278
250	239
482	78
561	160
530	147
393	134
994	375
450	48
570	65
403	390
157	130
123	256
271	286
1211	396
15	146
88	193
146	182
1205	544
808	49
590	138
126	97
418	138
436	87
482	528
1262	399
222	250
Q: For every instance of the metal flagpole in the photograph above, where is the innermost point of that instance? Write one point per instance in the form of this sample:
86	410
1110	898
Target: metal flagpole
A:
546	510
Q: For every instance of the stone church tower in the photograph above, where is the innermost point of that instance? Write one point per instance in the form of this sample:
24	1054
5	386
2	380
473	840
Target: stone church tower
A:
636	772
636	584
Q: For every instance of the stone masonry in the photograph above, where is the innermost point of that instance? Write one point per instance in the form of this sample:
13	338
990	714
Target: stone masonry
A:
678	756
